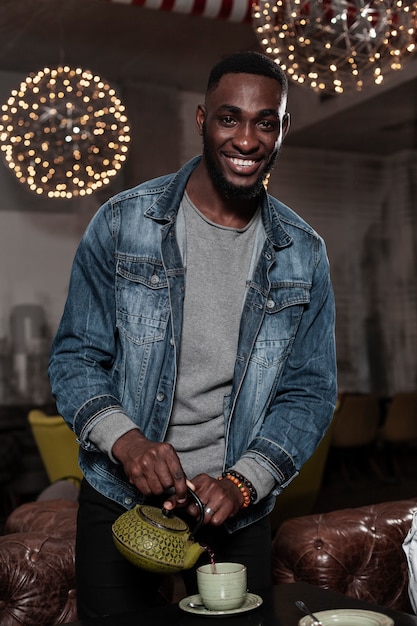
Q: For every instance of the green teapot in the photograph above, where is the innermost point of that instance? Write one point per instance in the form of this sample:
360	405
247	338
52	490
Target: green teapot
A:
157	540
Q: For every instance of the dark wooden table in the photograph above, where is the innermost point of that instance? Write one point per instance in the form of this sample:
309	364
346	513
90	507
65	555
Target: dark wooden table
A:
278	609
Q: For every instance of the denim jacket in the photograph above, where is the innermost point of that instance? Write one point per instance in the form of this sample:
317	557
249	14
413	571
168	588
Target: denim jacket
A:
116	349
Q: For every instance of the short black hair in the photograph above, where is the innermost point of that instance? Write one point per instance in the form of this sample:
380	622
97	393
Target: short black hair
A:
247	63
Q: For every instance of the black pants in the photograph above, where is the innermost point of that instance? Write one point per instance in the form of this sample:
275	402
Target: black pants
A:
107	584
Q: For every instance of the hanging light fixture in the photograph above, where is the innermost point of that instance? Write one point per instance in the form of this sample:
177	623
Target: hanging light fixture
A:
336	45
64	132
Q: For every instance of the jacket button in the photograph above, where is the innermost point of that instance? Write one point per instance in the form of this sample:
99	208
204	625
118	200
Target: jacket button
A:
128	500
160	396
154	279
270	304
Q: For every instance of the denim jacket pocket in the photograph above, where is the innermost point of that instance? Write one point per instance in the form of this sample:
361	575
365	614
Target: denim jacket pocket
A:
142	299
282	296
284	308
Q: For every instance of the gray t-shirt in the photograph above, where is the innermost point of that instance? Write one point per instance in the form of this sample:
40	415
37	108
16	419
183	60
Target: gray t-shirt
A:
218	260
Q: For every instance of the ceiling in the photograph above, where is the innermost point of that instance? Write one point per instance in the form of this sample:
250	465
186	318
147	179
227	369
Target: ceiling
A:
127	42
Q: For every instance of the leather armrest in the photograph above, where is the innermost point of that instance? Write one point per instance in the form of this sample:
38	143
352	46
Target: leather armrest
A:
37	580
37	556
56	518
357	552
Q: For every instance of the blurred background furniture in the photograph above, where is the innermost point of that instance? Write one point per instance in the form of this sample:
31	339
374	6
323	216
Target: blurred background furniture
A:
37	574
10	462
22	473
356	551
37	549
301	494
399	431
57	445
354	432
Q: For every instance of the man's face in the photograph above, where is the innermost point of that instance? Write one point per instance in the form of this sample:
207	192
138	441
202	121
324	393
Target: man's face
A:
243	123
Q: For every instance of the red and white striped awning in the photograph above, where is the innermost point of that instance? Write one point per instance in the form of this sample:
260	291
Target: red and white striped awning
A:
231	10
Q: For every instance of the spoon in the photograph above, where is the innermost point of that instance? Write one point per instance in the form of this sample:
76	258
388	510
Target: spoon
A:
300	605
196	605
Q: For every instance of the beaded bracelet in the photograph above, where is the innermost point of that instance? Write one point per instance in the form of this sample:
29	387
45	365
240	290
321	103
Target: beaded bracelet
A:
246	482
246	488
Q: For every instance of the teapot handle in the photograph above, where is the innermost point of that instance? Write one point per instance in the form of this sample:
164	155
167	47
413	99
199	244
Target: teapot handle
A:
200	506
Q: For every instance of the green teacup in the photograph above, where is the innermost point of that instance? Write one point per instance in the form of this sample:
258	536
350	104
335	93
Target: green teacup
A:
223	586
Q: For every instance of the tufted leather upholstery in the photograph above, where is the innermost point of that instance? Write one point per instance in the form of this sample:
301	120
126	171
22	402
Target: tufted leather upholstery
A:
357	552
37	574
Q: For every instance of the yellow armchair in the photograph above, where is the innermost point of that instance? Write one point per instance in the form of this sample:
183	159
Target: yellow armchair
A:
57	445
300	497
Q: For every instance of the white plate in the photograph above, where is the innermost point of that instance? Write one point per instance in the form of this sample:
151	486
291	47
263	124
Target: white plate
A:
252	601
348	617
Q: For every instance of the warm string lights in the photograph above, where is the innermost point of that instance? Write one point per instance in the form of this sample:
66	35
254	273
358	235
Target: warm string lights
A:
336	45
64	132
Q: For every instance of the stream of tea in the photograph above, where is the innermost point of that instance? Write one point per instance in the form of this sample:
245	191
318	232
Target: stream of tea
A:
210	552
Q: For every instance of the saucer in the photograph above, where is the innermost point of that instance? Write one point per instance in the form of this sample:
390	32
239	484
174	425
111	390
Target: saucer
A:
348	617
251	602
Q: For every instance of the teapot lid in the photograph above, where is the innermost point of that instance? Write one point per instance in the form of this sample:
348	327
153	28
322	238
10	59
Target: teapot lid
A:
162	519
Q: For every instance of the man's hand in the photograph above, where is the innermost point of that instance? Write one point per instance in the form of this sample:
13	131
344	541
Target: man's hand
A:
222	499
151	466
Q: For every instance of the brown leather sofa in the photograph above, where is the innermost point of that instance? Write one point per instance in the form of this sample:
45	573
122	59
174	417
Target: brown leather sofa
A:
37	573
357	552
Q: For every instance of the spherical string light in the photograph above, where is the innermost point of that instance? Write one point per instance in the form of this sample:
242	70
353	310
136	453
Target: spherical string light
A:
336	45
64	132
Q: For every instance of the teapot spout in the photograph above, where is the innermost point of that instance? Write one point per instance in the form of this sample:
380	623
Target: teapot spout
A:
193	552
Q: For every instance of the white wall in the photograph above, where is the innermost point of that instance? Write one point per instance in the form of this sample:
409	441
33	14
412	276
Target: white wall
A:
364	207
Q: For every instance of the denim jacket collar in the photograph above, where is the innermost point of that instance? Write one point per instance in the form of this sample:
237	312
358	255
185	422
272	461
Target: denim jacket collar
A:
166	207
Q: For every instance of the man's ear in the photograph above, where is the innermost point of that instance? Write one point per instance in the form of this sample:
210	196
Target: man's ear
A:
286	122
200	116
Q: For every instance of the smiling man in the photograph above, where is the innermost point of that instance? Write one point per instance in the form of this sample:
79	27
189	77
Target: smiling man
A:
196	346
241	141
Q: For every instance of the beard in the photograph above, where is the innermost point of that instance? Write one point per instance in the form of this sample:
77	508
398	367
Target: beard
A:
228	189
